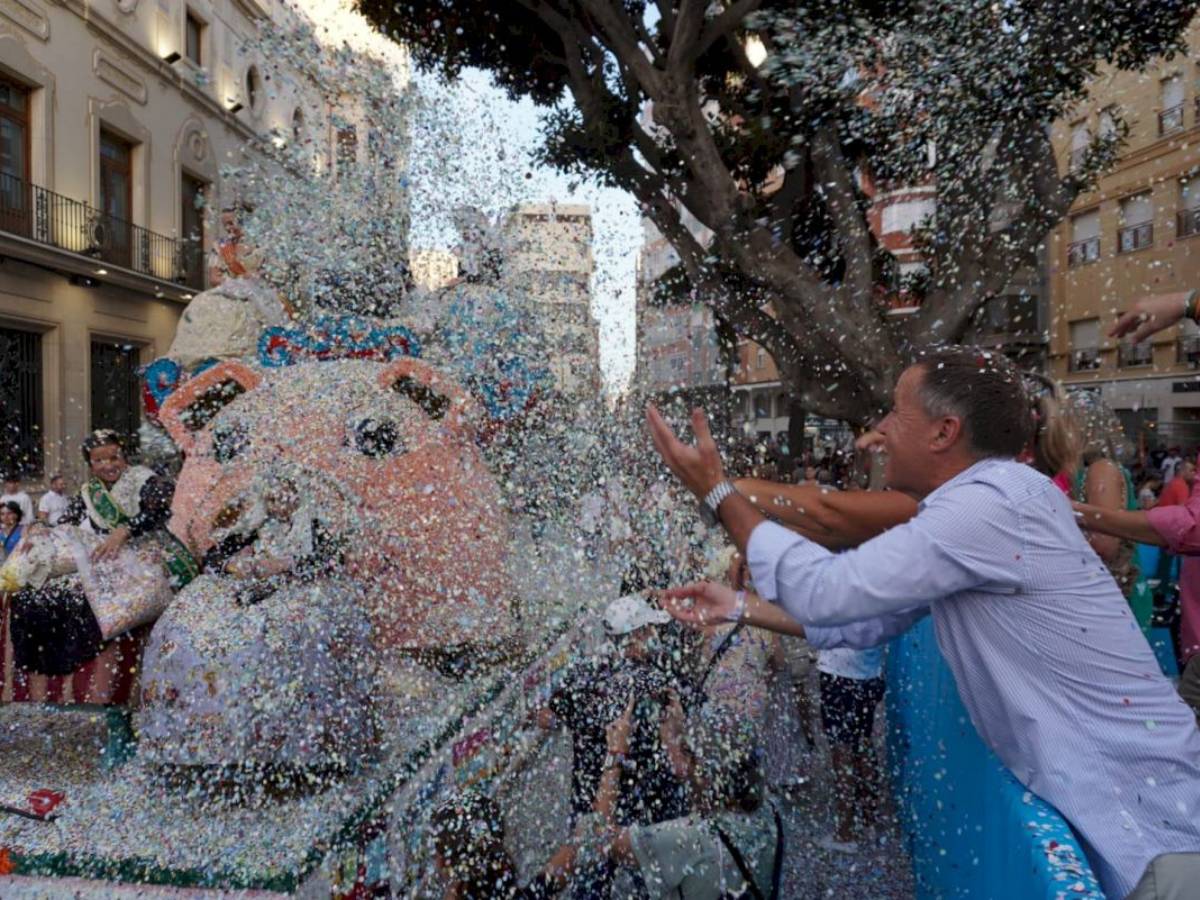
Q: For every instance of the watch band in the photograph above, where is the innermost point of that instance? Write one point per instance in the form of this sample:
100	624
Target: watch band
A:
717	496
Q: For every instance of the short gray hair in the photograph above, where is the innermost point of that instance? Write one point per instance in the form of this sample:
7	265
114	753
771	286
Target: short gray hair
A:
984	390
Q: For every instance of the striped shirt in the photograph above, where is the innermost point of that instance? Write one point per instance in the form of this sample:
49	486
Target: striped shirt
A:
1049	661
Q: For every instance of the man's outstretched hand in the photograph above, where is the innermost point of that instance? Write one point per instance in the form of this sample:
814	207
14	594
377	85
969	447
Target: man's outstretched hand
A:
698	467
700	603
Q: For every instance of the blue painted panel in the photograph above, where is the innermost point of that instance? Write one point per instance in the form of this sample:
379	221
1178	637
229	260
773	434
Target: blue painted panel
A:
973	830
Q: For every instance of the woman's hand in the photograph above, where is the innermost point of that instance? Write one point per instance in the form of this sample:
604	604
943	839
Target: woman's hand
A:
1151	314
617	732
111	545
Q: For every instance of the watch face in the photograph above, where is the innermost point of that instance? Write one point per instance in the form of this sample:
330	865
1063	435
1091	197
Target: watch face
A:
707	516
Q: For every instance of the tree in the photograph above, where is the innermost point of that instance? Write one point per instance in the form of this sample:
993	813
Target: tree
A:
668	101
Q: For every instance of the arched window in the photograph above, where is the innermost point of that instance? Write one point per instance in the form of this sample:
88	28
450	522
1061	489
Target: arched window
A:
254	89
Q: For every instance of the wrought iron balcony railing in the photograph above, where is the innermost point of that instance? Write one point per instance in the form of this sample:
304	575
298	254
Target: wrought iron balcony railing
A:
48	218
1187	222
1187	350
1135	237
1131	355
1084	360
1170	119
1081	252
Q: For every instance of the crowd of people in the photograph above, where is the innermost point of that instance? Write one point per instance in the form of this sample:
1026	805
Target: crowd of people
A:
1010	518
1008	514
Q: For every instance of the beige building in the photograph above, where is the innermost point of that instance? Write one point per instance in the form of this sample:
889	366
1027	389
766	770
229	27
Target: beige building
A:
116	118
433	269
1134	235
548	253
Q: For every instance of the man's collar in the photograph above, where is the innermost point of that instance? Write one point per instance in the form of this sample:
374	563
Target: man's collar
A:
966	475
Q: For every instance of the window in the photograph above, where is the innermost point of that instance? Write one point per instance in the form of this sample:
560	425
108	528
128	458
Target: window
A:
254	89
1108	122
192	201
14	158
113	238
1187	219
760	359
1137	223
116	396
193	38
21	402
1010	314
347	150
1085	345
1085	239
297	125
1081	138
762	405
1170	114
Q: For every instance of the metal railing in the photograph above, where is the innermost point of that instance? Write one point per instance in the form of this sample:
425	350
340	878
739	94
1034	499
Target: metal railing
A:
1170	119
1135	237
1085	251
1187	222
54	220
1084	360
1187	350
1131	355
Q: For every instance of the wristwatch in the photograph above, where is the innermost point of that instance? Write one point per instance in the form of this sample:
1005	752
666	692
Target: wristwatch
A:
710	505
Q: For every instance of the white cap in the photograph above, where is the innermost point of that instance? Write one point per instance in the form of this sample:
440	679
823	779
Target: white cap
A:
626	614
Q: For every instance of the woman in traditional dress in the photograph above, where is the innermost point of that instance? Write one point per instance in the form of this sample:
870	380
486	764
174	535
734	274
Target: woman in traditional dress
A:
11	528
109	566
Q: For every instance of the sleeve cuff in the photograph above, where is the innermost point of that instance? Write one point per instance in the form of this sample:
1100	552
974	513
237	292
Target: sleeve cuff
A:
1171	523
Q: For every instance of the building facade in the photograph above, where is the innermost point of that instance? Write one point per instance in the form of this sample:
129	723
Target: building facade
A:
116	119
433	269
548	256
1133	235
677	348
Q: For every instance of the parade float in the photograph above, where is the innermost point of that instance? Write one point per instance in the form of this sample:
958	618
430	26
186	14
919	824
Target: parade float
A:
288	739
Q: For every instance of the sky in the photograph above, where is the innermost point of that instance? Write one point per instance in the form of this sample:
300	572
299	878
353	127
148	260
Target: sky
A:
492	167
473	146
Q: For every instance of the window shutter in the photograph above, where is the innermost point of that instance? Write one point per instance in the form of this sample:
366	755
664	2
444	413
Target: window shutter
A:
1085	226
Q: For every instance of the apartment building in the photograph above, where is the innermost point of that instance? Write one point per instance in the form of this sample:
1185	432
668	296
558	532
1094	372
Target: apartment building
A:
1133	236
549	257
116	120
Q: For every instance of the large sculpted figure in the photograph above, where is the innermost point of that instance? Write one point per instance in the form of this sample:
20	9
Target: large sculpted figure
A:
393	501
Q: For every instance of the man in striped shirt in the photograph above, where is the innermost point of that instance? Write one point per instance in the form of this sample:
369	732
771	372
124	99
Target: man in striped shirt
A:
1050	664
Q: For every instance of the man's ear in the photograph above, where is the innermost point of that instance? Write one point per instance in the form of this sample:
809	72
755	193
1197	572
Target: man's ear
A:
949	431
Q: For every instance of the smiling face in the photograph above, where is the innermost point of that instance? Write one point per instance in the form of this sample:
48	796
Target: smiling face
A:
107	463
908	433
9	518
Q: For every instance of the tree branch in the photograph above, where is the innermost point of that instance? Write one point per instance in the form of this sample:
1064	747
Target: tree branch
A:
725	23
837	184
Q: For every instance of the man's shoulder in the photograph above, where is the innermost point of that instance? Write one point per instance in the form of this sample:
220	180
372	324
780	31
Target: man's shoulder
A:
990	482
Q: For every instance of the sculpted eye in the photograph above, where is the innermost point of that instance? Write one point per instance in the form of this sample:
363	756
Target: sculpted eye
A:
377	437
228	441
